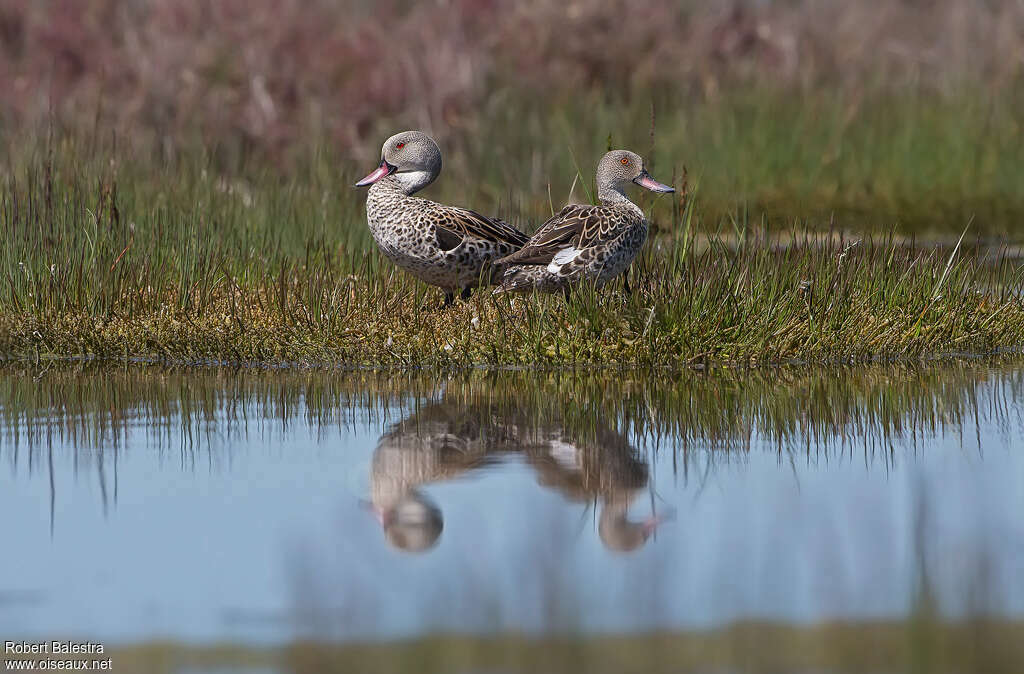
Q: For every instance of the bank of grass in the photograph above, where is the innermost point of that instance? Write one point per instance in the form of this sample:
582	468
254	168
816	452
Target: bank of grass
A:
812	300
214	254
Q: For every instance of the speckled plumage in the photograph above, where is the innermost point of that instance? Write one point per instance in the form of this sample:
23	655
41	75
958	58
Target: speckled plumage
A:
601	242
586	243
446	246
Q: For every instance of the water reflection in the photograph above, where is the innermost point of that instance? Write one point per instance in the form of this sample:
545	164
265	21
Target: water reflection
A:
820	413
588	435
449	439
803	495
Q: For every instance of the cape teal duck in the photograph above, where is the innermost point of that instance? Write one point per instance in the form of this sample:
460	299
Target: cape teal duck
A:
446	246
582	242
449	439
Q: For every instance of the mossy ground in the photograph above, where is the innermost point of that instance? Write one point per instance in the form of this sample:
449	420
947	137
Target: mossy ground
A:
758	303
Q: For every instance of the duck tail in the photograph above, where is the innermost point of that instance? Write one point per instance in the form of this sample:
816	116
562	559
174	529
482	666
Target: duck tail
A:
520	278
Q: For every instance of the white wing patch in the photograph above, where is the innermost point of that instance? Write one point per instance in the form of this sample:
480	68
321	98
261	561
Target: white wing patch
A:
566	455
561	258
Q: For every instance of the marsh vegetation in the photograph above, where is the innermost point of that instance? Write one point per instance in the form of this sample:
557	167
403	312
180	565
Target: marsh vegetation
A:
659	480
112	255
827	159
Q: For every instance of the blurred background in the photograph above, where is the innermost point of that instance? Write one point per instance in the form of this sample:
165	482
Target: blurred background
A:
812	519
881	113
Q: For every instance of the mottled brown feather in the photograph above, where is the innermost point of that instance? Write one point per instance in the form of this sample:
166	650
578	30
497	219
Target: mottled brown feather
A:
463	222
576	225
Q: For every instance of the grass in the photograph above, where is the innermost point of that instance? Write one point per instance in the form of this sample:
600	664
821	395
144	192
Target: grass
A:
777	250
990	645
313	70
90	405
756	304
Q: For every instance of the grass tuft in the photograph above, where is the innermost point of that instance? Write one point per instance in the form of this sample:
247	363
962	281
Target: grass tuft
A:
179	264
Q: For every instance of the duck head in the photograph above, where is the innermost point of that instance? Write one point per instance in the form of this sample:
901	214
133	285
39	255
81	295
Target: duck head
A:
412	524
412	157
619	533
618	169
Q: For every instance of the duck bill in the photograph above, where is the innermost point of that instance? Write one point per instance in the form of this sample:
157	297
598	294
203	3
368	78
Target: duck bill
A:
385	169
646	181
379	514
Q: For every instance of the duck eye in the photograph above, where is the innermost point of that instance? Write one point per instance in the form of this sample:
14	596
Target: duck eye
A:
625	162
399	146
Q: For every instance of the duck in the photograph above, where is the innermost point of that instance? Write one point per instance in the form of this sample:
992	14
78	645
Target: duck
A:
599	469
454	438
445	246
583	242
439	443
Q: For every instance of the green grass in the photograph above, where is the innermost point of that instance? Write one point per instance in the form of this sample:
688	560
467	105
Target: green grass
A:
989	645
793	408
922	162
795	240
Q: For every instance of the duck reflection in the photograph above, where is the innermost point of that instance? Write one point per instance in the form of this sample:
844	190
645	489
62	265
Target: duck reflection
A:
605	469
446	440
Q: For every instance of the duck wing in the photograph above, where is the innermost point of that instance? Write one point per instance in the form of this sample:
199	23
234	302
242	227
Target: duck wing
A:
574	227
452	225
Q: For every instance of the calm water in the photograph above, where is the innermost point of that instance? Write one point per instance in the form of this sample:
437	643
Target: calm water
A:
259	507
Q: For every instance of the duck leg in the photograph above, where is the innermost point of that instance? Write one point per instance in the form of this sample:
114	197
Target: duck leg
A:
625	282
449	297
